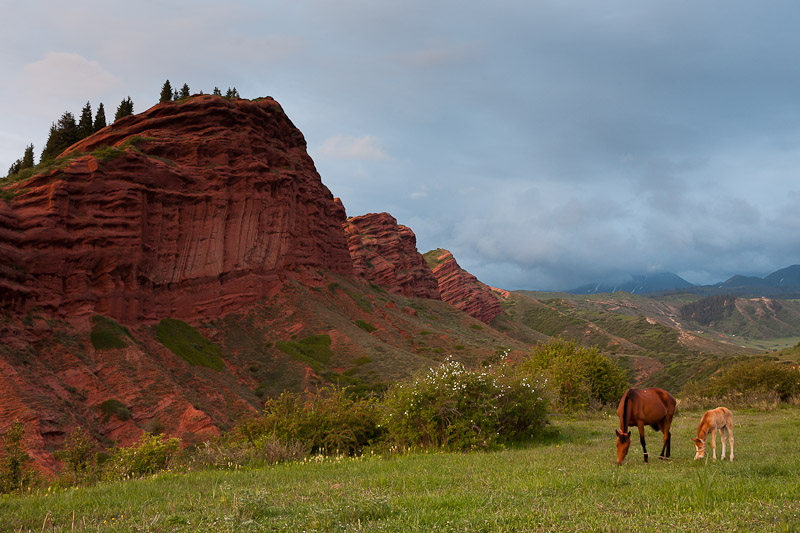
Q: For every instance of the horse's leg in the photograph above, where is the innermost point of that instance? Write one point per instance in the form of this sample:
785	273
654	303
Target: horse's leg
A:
667	438
640	427
723	432
730	437
664	427
714	442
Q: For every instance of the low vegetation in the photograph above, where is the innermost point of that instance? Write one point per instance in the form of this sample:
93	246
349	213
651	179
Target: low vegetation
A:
567	482
107	334
315	351
749	382
187	343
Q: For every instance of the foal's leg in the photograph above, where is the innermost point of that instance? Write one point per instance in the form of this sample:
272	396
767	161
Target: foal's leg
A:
714	442
723	432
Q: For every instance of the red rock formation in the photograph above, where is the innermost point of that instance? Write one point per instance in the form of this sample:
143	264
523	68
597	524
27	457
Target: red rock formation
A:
187	210
461	289
386	254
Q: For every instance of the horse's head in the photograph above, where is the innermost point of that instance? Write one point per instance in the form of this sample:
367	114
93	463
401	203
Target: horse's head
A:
623	445
701	448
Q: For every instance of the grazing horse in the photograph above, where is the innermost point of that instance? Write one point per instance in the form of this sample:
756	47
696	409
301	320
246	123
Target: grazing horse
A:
640	408
713	420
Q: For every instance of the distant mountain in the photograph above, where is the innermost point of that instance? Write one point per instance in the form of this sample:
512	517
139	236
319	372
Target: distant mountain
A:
783	283
640	284
785	277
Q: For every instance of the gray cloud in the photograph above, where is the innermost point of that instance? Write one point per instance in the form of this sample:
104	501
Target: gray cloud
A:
544	143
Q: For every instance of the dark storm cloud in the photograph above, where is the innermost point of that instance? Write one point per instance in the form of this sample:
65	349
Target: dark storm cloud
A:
545	144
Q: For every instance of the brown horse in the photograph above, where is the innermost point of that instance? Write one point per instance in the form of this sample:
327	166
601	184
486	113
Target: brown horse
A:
640	408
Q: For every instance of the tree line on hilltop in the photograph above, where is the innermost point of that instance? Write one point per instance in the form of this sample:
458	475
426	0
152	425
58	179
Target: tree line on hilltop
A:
68	130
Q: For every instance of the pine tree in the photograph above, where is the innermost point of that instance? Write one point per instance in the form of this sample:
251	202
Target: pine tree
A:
185	91
217	92
63	134
85	126
21	164
100	118
125	108
175	94
166	92
15	167
27	159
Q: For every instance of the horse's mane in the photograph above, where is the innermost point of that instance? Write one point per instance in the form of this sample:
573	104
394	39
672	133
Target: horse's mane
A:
624	421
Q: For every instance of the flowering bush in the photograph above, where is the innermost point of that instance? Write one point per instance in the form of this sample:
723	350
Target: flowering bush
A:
458	409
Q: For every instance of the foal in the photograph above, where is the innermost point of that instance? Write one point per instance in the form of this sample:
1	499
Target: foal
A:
713	420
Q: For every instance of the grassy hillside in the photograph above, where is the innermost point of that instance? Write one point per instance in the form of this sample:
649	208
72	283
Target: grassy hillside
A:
569	483
648	337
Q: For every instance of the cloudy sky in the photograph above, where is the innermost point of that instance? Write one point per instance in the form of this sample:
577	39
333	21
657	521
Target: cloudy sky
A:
545	143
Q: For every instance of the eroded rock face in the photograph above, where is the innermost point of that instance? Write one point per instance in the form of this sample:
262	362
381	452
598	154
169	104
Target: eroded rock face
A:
187	210
385	253
461	289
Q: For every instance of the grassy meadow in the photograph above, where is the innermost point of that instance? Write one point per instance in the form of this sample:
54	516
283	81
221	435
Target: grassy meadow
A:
569	483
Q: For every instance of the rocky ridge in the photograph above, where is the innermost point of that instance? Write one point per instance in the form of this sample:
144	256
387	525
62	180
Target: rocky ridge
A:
463	290
385	253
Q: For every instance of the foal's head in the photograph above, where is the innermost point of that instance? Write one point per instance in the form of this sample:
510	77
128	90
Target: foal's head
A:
701	448
623	445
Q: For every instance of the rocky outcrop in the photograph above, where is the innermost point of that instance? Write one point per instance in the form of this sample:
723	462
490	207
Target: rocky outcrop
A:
385	253
187	210
461	289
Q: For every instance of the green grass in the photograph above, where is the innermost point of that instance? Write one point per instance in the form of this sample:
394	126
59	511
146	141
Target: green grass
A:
570	483
315	350
187	343
366	326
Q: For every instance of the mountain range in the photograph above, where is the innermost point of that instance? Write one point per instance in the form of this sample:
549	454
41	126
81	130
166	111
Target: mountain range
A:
783	283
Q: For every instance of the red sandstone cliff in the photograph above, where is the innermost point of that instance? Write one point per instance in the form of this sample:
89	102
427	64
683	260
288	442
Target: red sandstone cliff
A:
461	289
187	210
385	253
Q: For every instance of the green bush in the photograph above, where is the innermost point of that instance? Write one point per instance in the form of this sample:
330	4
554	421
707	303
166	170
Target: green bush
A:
107	334
754	376
78	458
114	407
153	453
15	475
453	408
186	342
581	377
329	422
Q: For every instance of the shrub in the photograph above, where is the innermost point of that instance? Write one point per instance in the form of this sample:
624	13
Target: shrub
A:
229	452
454	408
153	453
79	465
14	472
581	377
114	407
329	422
107	334
751	377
